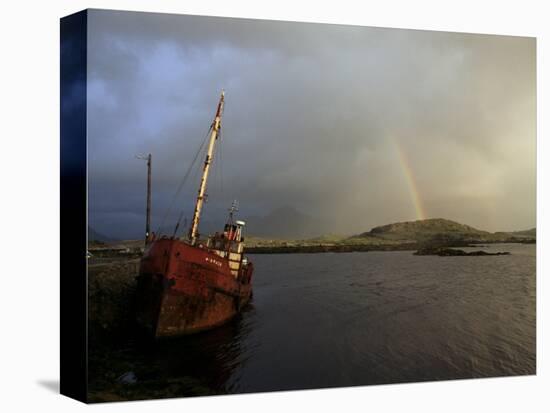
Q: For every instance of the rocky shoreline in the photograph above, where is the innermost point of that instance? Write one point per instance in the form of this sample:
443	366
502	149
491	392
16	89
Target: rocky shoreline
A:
114	372
111	297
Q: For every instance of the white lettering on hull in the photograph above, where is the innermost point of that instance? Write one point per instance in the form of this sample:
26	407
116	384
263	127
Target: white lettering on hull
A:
213	261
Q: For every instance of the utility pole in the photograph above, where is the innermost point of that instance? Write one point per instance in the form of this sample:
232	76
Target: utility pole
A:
147	158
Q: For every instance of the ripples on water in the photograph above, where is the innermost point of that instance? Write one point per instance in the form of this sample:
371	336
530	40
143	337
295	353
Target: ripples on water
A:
342	319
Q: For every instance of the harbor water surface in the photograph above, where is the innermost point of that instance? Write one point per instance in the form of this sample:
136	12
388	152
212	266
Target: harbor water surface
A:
346	319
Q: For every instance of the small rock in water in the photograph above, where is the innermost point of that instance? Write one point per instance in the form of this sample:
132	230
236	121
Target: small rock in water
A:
128	378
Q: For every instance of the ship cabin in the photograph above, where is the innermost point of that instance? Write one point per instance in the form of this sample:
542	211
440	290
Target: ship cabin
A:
230	244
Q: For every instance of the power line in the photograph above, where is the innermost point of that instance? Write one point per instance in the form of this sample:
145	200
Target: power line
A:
182	183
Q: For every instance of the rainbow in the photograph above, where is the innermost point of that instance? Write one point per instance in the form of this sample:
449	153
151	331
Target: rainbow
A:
411	181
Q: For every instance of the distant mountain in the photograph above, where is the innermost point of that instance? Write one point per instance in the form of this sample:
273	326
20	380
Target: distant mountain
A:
437	229
285	222
528	233
93	235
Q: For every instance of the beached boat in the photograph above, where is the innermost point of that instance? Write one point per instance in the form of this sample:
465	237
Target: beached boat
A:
186	285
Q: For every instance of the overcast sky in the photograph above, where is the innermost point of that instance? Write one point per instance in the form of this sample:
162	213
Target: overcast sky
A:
355	126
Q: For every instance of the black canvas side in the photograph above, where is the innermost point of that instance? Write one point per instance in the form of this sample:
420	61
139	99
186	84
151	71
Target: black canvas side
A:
73	50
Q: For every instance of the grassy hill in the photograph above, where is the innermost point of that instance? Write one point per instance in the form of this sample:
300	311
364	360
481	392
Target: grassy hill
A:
436	229
528	233
94	236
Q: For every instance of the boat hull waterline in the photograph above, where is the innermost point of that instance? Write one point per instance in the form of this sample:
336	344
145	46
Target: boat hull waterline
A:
185	289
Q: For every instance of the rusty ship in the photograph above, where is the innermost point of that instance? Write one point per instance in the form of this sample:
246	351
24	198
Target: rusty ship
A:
190	284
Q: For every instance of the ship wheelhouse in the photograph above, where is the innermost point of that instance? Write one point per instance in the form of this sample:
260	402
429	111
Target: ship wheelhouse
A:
230	244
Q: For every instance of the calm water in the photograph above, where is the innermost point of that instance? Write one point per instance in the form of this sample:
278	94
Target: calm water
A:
342	319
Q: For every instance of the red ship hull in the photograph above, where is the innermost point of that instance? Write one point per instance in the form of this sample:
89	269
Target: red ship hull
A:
184	289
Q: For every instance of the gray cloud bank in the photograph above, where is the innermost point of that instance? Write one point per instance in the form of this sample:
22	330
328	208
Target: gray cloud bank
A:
315	117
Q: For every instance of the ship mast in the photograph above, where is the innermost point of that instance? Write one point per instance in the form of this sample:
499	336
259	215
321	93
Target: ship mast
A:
193	231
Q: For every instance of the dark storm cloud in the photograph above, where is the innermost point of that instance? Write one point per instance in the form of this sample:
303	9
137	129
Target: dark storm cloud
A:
73	93
315	116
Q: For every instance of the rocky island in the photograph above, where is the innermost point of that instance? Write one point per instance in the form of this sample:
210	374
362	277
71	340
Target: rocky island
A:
453	252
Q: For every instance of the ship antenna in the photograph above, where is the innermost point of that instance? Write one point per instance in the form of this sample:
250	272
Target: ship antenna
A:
216	125
147	158
234	208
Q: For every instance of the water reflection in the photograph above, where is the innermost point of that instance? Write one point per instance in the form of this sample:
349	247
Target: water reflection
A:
212	357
